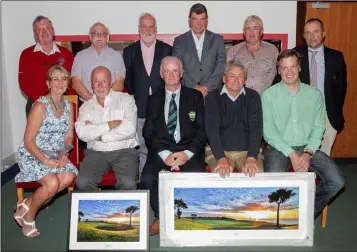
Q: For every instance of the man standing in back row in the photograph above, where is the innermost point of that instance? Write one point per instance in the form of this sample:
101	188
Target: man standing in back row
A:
201	52
325	69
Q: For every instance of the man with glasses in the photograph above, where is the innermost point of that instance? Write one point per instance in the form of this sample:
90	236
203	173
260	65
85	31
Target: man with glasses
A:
107	123
293	125
202	53
36	60
98	54
258	56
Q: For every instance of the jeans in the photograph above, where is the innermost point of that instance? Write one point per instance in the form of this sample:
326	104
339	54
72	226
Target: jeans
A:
331	179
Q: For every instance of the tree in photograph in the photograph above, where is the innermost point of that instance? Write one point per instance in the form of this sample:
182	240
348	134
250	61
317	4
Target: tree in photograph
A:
193	216
130	210
179	205
79	215
280	196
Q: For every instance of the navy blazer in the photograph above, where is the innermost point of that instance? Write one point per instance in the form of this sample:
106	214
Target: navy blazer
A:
192	123
137	80
335	82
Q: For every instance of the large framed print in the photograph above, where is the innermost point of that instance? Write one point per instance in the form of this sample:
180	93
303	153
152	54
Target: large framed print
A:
109	221
203	209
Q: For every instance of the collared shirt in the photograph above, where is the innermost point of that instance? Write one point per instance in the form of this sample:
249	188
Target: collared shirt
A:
98	135
199	43
87	59
225	91
177	134
293	120
261	67
53	50
148	53
320	61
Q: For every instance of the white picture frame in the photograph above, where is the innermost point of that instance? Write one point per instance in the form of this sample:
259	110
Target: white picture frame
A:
222	209
109	221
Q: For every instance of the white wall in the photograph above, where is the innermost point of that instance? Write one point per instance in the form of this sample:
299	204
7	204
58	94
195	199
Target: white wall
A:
74	17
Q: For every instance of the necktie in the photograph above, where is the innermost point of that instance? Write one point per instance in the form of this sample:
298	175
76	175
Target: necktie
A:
313	71
172	117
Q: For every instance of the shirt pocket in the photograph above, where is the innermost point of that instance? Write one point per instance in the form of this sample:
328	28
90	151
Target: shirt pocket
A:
266	65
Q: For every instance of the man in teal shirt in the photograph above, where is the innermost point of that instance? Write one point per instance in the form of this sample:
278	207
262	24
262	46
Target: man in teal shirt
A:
293	126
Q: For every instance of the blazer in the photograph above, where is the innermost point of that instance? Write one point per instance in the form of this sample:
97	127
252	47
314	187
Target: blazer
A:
137	80
335	82
192	123
209	70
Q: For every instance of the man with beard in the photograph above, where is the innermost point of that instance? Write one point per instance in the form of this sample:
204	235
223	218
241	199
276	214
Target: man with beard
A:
142	62
36	60
98	54
201	52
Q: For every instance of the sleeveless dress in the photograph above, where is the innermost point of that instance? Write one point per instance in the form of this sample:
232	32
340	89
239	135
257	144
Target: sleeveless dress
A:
49	139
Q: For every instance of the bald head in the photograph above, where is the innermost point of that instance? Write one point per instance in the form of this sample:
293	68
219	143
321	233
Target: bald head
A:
101	82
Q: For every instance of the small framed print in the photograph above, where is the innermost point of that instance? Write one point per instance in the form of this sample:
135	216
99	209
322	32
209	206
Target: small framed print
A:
203	209
109	221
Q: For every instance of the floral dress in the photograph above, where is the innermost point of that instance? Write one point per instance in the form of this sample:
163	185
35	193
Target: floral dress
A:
49	139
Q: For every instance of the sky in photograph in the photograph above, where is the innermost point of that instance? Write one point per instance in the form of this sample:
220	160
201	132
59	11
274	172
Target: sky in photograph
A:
236	203
113	210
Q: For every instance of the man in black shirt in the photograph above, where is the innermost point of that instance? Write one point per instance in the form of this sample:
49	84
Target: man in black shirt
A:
234	125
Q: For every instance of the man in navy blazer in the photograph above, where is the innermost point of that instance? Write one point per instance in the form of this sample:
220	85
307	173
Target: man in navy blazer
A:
175	138
142	62
331	78
201	52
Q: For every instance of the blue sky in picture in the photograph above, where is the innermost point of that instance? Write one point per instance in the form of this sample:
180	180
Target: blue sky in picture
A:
106	209
238	201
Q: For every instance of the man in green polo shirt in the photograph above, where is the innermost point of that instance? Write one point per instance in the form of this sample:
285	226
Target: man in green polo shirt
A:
293	126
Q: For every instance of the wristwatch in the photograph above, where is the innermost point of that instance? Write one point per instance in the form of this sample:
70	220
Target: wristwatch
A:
309	152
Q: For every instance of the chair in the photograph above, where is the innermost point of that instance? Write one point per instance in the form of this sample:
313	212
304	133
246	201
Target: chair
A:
73	156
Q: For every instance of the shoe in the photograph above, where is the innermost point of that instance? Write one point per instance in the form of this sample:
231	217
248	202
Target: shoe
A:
20	218
154	227
32	230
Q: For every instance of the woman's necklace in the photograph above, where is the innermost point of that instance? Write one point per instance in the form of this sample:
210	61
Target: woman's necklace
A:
53	103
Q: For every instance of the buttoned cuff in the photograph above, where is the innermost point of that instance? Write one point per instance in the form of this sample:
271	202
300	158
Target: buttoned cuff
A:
164	154
189	154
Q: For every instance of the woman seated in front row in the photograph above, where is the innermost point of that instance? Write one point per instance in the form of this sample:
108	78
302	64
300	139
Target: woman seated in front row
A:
42	155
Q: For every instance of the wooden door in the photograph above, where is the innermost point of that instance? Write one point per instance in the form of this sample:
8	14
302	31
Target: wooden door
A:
340	22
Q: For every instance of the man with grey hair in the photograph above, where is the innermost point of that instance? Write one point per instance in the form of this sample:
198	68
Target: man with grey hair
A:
258	56
142	62
234	125
174	132
36	60
98	54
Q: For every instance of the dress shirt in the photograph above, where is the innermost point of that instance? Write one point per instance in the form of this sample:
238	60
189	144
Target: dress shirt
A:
293	120
98	135
148	53
53	50
199	43
261	67
320	61
225	91
177	134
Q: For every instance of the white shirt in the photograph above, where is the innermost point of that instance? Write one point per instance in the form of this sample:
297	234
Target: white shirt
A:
53	51
225	91
199	43
320	62
177	134
98	135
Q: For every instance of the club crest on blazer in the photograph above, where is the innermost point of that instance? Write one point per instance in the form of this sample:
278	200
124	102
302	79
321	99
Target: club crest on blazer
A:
192	115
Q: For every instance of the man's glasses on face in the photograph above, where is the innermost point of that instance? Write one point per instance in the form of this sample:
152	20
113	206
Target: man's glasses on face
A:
99	34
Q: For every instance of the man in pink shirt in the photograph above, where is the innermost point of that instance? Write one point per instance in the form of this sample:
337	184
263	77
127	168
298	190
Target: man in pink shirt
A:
142	62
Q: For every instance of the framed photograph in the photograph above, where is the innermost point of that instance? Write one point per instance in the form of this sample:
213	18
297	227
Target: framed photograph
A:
109	221
203	209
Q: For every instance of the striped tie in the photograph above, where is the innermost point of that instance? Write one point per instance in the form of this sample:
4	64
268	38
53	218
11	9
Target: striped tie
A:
313	71
172	118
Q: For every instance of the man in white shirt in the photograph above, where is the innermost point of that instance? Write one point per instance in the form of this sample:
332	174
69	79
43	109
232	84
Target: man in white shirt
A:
107	123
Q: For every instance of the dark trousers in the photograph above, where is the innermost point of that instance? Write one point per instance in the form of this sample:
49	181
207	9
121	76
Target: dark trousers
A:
331	179
29	106
150	176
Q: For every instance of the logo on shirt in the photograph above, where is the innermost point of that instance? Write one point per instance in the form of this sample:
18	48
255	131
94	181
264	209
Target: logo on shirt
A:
192	115
60	61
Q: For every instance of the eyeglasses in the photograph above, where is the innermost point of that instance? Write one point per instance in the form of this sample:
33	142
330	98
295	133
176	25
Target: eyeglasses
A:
99	34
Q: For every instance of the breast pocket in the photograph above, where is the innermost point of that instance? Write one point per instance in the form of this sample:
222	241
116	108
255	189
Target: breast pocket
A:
266	65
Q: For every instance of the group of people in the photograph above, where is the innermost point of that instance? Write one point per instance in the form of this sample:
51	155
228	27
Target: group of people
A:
188	105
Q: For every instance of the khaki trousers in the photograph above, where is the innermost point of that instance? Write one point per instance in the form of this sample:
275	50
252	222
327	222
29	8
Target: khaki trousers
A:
328	138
